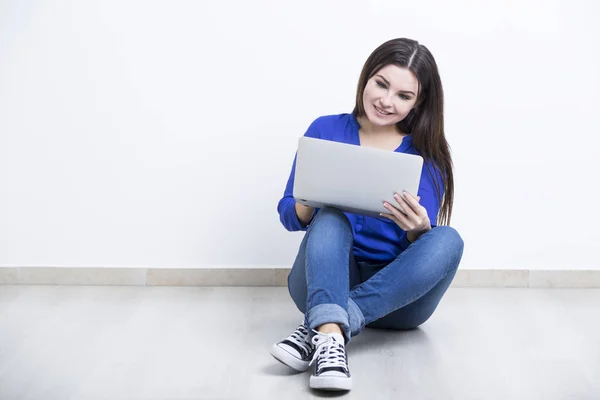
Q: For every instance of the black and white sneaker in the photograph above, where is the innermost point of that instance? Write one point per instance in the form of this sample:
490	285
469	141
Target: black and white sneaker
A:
295	351
330	363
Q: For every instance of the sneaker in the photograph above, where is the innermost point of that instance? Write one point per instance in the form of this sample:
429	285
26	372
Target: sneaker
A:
295	351
330	363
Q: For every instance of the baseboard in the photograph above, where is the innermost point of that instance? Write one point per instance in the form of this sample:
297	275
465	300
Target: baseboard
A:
269	276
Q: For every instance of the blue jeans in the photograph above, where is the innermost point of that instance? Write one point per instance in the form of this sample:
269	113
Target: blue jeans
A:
329	286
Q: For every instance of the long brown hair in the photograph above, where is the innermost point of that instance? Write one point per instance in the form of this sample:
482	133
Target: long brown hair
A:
426	120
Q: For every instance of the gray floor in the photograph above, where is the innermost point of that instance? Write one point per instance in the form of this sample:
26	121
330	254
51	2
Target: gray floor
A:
212	343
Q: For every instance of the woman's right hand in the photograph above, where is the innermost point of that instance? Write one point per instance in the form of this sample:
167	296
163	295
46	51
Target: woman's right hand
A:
305	213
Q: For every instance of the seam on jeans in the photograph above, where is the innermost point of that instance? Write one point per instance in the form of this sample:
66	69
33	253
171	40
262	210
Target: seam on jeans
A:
361	319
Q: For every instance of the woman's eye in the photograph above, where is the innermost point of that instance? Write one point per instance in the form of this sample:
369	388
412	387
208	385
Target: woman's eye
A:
380	84
403	97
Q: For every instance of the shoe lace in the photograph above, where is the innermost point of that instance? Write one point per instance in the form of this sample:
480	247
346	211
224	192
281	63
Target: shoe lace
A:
329	353
300	338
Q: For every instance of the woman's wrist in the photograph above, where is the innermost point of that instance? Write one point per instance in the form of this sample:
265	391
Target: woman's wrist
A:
414	235
304	213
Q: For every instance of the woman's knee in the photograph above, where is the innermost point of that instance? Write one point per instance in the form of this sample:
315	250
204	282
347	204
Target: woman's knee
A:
449	241
330	229
331	216
449	236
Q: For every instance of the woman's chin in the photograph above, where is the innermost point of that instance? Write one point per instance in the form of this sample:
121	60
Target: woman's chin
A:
378	121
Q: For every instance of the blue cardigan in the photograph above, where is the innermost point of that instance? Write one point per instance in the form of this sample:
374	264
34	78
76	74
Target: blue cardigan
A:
375	239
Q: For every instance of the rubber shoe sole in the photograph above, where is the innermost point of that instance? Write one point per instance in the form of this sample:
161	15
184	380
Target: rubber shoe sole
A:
332	383
287	359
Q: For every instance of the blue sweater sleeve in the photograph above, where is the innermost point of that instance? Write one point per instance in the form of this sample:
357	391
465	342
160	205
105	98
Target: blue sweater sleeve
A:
285	207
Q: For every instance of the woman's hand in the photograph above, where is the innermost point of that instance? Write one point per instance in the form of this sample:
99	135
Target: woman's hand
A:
408	215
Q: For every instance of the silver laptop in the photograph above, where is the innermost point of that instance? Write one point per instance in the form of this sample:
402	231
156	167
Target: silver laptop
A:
353	178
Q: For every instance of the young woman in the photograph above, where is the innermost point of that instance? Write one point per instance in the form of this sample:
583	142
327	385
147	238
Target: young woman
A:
391	272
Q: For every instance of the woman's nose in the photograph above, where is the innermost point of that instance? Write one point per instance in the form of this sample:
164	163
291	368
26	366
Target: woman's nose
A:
386	102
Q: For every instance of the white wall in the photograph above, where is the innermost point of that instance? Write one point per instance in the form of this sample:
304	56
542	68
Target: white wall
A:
161	133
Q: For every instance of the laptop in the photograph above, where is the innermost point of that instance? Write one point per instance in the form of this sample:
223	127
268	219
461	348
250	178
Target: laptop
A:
353	178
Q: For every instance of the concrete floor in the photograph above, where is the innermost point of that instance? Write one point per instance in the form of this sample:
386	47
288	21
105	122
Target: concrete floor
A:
175	343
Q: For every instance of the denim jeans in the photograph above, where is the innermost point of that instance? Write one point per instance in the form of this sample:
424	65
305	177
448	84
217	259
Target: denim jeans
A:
329	286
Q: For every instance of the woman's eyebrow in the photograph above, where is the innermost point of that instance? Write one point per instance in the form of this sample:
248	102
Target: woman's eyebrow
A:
385	80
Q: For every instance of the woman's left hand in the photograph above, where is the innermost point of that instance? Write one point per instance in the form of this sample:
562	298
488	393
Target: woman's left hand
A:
409	214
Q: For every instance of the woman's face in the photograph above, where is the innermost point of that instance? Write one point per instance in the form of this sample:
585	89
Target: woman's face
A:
390	95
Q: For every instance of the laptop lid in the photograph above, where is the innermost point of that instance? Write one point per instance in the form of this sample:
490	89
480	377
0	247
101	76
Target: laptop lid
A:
353	178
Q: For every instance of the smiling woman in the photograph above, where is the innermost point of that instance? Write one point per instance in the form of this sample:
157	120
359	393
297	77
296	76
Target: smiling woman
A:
388	97
391	93
354	271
